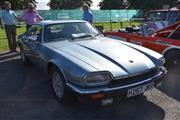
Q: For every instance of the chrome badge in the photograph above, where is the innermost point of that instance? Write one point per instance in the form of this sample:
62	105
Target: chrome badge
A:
131	61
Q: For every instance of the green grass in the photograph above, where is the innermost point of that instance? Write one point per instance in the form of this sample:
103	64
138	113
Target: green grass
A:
106	25
116	25
3	39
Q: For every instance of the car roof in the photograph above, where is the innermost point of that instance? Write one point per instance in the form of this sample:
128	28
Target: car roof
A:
49	22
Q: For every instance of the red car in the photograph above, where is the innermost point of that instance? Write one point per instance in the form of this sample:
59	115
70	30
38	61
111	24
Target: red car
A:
165	41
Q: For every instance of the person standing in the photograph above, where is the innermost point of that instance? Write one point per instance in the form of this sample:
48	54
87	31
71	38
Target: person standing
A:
9	19
30	16
87	15
178	7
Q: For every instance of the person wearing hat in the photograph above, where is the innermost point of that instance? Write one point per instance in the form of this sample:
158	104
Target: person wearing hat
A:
9	18
87	16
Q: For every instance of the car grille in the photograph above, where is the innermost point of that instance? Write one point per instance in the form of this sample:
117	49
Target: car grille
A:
133	79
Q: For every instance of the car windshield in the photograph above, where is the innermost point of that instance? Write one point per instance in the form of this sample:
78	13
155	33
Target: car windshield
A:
62	31
148	28
156	16
169	16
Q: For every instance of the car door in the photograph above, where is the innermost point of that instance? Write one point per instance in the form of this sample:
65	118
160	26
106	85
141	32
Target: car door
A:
148	42
33	44
175	36
172	39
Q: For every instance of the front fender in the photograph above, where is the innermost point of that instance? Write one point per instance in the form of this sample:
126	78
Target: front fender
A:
56	64
71	70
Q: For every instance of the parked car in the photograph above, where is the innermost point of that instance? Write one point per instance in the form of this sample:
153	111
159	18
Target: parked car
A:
165	41
81	61
162	15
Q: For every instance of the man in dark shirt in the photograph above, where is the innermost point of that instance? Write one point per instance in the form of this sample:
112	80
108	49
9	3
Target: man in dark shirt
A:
178	7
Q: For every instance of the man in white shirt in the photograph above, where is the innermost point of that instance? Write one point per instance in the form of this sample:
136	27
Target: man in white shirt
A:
9	19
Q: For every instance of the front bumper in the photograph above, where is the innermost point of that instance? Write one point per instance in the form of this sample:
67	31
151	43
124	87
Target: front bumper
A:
118	90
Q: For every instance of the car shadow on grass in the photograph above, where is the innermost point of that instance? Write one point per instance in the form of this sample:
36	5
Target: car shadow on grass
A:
25	93
171	84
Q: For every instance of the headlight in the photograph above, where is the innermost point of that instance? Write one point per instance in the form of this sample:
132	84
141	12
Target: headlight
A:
97	79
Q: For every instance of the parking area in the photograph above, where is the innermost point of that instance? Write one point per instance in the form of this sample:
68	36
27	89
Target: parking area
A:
25	94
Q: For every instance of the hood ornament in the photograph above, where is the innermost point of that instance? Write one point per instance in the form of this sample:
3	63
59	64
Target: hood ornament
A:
131	61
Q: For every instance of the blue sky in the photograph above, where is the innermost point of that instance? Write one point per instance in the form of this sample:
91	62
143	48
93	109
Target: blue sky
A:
95	3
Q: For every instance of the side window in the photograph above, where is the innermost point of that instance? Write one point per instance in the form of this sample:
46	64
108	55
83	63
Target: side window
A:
36	30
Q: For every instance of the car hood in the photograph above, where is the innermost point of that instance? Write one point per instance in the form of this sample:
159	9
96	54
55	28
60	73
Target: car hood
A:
107	55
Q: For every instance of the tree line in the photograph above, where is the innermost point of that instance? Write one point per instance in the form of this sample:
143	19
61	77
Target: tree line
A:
104	4
135	4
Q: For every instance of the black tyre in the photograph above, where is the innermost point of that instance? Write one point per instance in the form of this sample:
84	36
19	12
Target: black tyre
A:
24	59
172	59
61	91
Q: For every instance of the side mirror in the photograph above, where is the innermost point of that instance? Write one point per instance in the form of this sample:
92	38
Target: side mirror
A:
100	28
33	37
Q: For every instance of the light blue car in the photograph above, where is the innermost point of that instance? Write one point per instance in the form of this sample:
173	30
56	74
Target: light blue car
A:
82	62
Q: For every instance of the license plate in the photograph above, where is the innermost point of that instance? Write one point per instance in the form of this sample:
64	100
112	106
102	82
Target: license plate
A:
139	90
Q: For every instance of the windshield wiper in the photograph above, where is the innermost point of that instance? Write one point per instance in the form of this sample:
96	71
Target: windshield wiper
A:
82	36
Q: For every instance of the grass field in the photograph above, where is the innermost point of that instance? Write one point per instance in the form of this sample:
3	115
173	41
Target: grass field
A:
106	25
116	25
3	39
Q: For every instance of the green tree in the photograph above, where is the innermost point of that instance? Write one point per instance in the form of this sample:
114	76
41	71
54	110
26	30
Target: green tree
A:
135	4
68	4
150	4
15	4
113	4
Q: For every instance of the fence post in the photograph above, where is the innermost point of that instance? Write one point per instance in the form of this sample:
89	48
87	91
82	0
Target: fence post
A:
110	21
121	24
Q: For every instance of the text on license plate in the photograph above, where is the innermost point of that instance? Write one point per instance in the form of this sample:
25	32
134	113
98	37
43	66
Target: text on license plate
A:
139	90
